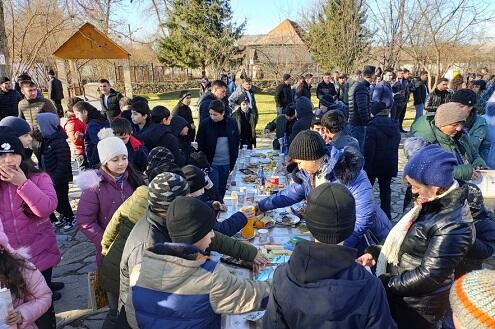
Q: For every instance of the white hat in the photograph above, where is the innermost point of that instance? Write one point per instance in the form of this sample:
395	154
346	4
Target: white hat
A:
109	148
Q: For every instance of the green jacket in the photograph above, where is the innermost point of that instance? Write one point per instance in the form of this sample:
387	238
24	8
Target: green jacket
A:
425	127
477	134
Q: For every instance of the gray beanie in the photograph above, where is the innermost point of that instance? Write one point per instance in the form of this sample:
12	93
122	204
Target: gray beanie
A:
448	114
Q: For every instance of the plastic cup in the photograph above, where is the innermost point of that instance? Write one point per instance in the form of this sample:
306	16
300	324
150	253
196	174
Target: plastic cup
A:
275	180
263	235
247	231
250	196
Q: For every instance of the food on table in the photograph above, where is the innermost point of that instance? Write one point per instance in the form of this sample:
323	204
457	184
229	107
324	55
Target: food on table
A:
250	178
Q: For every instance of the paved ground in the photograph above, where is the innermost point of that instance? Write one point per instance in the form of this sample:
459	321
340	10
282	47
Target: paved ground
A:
78	258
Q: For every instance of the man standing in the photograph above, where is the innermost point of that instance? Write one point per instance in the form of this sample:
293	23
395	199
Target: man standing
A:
359	105
56	92
440	95
218	92
9	99
283	94
109	99
383	90
32	104
420	93
340	87
246	88
401	96
326	87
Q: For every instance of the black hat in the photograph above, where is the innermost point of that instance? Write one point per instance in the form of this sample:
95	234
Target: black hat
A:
464	97
183	94
195	177
189	220
242	98
316	120
369	70
377	107
331	213
307	145
9	143
4	79
286	77
19	126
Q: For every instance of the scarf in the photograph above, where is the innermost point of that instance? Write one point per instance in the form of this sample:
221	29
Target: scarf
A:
389	253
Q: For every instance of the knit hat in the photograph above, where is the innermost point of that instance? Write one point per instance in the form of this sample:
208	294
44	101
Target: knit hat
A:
4	79
195	177
285	77
163	189
189	220
307	145
472	299
331	213
11	144
109	148
303	106
448	114
433	166
464	96
183	94
377	107
19	126
158	157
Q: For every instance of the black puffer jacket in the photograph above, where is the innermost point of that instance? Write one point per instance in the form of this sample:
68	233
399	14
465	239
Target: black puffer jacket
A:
8	103
113	108
359	103
434	245
55	158
436	99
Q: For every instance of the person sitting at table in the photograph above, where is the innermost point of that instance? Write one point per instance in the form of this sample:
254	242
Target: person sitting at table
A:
178	286
197	182
318	164
322	285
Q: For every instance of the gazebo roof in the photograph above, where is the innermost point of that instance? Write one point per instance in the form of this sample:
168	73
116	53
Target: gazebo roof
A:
89	43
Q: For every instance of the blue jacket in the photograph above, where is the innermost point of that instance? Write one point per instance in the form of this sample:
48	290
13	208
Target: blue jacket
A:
323	287
304	114
383	93
91	141
488	154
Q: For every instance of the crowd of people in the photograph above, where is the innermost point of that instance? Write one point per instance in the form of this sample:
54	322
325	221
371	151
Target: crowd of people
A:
152	182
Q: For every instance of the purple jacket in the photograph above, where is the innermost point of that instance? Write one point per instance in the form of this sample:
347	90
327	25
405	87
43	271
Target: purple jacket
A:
101	196
25	212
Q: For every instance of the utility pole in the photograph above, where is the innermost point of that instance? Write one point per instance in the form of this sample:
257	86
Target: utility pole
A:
4	51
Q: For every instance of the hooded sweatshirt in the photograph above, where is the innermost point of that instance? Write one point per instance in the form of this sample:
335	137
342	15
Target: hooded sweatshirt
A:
304	114
177	124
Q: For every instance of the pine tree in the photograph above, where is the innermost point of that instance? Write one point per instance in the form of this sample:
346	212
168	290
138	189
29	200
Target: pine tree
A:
337	37
200	34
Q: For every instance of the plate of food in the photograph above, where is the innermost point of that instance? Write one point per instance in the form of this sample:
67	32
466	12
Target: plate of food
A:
264	222
258	155
287	220
238	236
250	178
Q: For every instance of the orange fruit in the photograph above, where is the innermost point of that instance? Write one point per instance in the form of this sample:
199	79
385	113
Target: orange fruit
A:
259	224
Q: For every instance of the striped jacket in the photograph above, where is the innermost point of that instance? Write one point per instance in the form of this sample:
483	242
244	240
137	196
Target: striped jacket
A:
171	288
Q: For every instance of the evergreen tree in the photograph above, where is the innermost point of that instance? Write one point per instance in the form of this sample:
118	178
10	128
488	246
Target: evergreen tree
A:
200	34
337	37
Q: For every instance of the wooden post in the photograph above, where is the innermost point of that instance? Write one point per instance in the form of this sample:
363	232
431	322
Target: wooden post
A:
127	78
152	74
62	76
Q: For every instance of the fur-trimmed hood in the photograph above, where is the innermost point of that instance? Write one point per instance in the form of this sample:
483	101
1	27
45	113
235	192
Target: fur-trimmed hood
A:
349	166
88	180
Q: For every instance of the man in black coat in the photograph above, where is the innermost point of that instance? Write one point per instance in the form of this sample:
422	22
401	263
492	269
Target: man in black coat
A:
440	95
283	94
360	104
9	99
109	99
282	125
218	91
325	87
420	93
56	92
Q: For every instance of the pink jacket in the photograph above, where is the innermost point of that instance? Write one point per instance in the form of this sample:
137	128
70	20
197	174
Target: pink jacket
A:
100	198
35	305
24	212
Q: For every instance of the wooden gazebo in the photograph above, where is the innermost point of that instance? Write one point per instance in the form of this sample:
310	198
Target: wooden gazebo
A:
89	43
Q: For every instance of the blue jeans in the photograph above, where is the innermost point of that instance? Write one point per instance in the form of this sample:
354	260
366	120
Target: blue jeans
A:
419	110
359	133
219	176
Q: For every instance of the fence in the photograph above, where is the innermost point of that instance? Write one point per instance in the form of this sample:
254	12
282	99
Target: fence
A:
153	73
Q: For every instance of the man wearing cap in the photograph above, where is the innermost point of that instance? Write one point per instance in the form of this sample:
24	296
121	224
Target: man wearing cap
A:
9	98
446	129
322	286
360	104
56	92
283	94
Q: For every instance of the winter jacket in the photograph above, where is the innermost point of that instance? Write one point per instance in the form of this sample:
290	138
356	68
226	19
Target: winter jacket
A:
151	230
185	112
325	89
383	93
32	307
235	97
476	129
155	134
55	90
208	135
322	286
327	103
116	234
100	197
401	91
343	139
303	90
304	114
73	126
434	245
112	109
282	127
91	141
55	157
28	109
420	92
189	292
339	91
437	98
176	125
137	153
467	156
8	103
488	154
231	225
359	103
381	147
25	215
237	116
283	95
204	104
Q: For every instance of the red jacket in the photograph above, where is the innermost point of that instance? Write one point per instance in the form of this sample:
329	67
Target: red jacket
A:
72	127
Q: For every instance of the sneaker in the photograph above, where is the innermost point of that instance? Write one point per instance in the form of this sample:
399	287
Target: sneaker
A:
69	224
